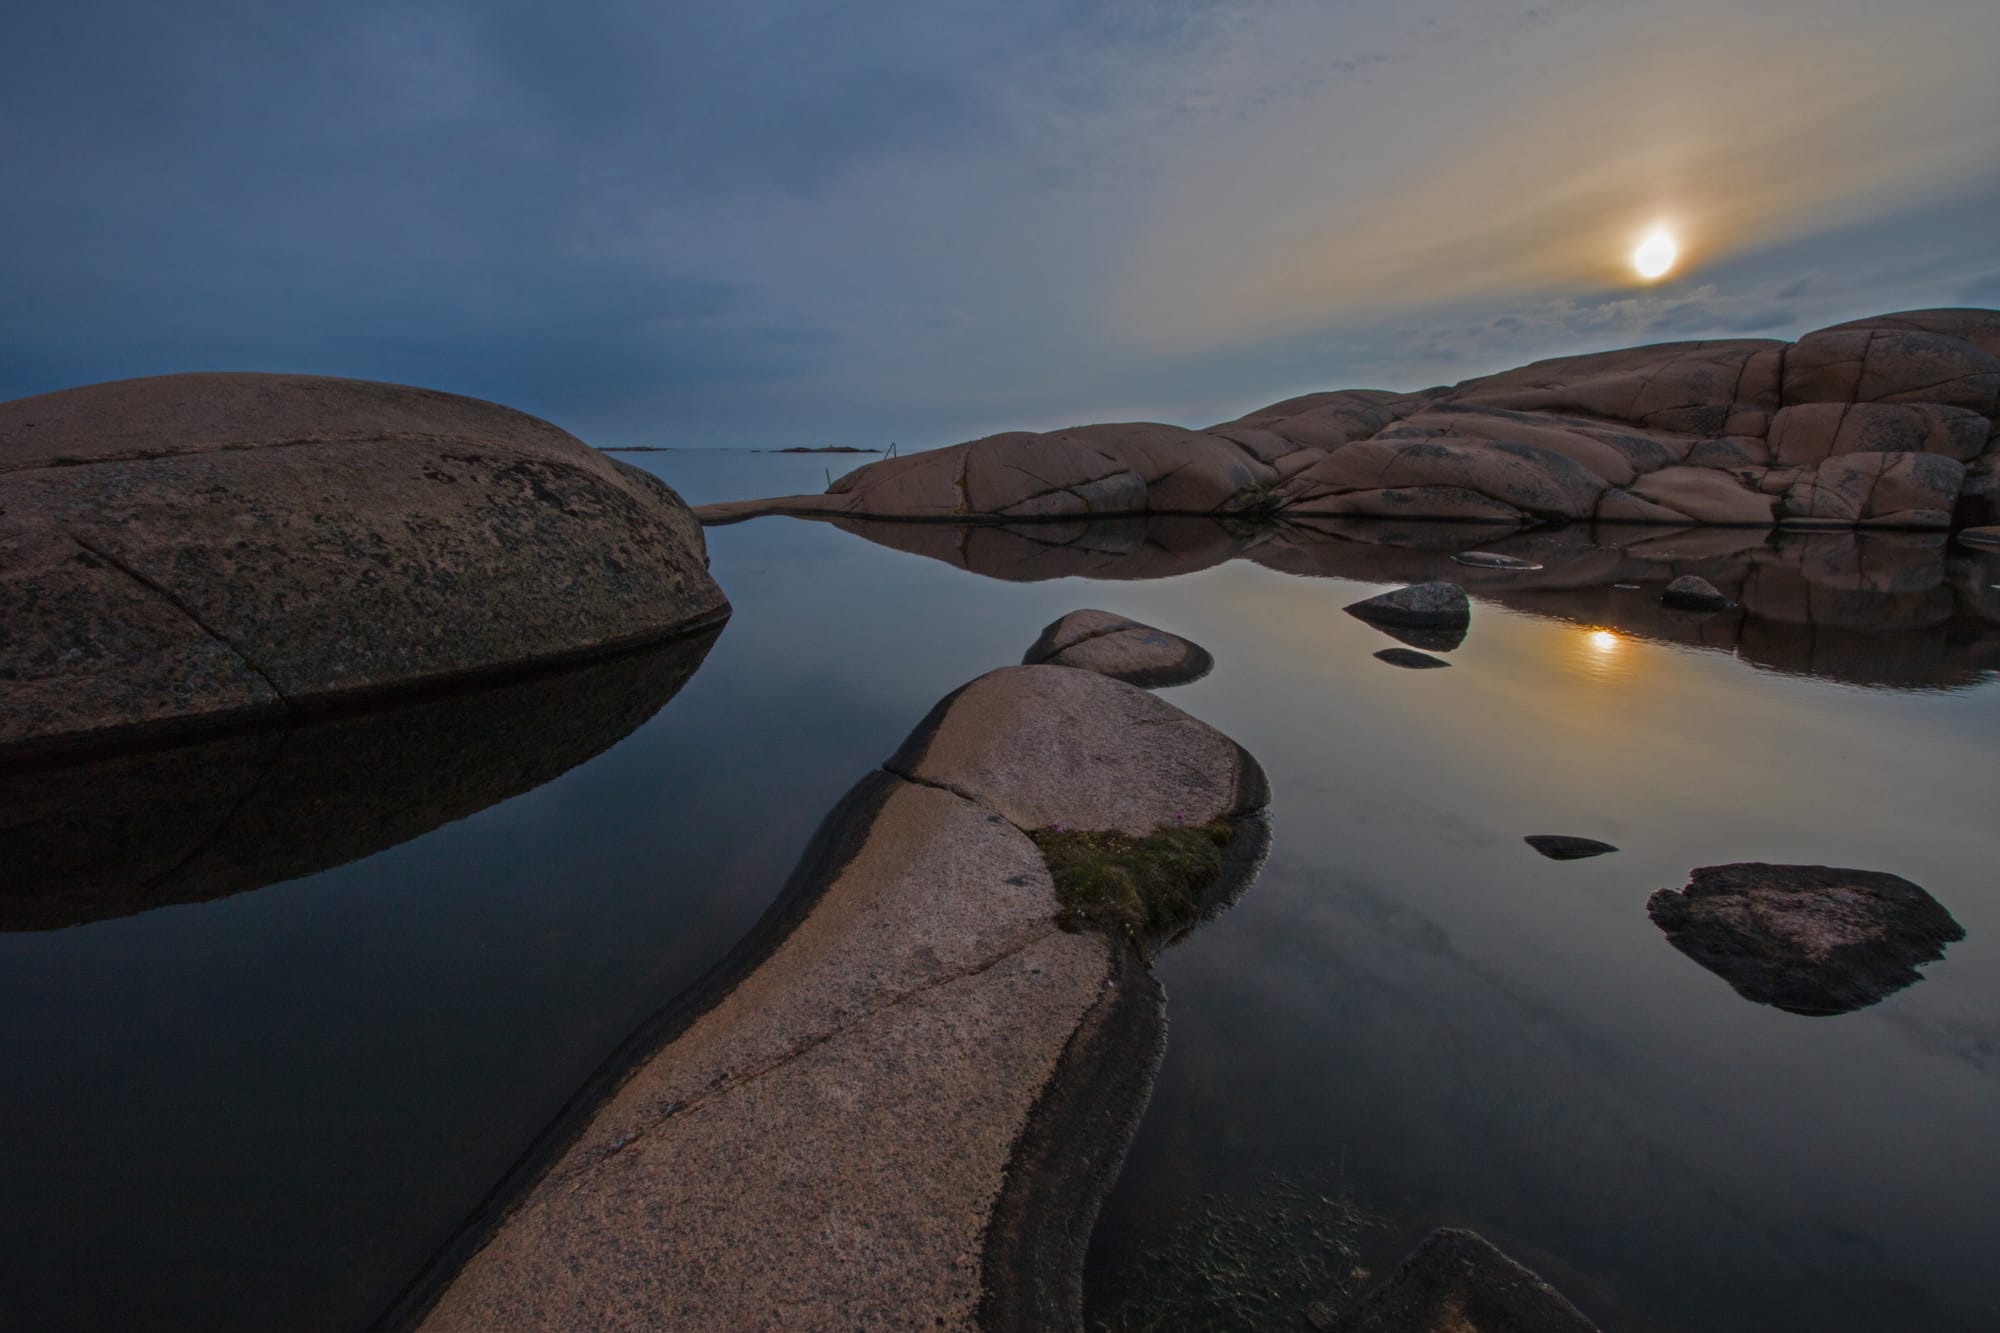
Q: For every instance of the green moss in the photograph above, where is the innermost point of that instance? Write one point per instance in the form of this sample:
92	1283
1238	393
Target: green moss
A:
1145	890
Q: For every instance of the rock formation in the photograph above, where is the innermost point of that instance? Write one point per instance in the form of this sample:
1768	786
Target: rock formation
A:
192	549
1809	939
1121	649
1887	422
901	1101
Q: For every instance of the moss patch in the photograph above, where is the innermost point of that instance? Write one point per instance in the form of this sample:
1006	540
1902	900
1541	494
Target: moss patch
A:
1145	890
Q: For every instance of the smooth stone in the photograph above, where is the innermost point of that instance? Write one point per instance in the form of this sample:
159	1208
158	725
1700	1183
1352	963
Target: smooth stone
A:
189	550
1458	1282
1421	604
1691	592
1560	847
1493	560
1123	649
1408	657
1807	939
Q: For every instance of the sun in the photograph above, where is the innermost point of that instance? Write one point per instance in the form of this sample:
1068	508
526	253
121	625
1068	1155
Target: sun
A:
1655	255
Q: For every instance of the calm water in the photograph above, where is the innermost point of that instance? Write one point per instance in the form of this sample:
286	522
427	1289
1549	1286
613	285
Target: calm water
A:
262	1109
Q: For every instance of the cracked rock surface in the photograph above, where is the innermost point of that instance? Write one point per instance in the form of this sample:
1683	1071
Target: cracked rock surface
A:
1887	422
188	549
832	1142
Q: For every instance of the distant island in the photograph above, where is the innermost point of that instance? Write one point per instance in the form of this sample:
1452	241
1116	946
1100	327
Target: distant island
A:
795	449
825	449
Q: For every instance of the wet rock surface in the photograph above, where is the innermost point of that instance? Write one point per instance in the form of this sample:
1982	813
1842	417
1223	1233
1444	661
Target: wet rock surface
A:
1877	423
192	549
1433	605
1813	940
1459	1282
902	1101
1561	847
1111	645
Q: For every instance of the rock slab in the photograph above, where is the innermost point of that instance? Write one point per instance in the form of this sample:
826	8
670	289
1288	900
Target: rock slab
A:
1561	847
190	549
1813	940
1122	649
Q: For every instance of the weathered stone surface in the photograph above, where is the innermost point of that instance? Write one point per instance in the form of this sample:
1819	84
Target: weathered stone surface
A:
1902	490
1700	432
1409	657
193	548
902	1107
1691	592
1434	603
104	836
1458	1282
1122	649
1561	847
1812	940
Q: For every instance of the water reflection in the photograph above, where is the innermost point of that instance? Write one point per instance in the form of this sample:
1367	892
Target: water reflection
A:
118	834
1889	609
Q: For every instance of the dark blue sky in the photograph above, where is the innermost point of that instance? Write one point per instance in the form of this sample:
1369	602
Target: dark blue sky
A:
806	222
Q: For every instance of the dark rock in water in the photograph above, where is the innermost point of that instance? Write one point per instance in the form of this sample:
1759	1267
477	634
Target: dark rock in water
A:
1557	847
187	550
1690	593
1119	648
1806	939
1986	536
1493	560
1407	657
1421	604
1458	1282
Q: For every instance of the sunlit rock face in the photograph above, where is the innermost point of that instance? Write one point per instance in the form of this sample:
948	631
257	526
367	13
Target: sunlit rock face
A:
1887	422
192	549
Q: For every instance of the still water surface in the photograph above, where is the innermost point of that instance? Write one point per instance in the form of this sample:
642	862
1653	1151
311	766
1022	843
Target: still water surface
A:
262	1110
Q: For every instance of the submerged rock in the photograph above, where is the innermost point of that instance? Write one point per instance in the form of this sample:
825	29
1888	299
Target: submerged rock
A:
1691	592
1459	1282
1122	649
1493	560
1410	657
1560	847
1807	939
1424	605
191	549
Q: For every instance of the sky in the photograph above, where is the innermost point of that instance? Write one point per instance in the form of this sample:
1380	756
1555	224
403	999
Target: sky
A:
806	222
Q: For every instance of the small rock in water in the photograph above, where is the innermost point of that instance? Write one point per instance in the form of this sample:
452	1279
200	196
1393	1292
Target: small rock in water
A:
1421	604
1983	536
1806	939
1692	593
1626	587
1559	847
1111	645
1410	657
1493	560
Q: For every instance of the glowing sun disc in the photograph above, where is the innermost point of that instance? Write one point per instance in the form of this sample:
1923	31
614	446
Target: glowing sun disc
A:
1655	255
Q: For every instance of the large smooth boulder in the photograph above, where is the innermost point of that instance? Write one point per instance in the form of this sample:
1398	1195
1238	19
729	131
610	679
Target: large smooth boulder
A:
190	549
1812	940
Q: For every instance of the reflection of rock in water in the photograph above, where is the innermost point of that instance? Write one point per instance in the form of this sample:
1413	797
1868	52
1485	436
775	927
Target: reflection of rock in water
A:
1901	609
1808	939
111	836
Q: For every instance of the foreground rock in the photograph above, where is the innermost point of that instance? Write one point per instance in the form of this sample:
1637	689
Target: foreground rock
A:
1458	1282
1119	648
903	1104
96	836
1887	422
1807	939
193	549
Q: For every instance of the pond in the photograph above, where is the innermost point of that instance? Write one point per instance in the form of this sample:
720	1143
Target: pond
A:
322	989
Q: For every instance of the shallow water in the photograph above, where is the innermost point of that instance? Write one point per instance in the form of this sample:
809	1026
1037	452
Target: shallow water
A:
262	1109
